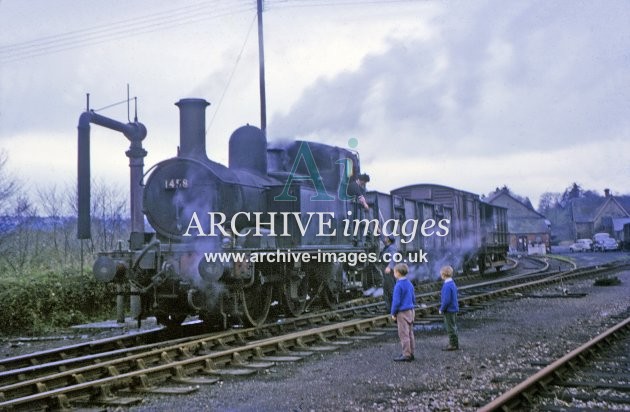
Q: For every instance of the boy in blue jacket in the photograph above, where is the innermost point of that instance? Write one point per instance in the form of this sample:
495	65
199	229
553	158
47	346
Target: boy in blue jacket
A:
449	307
402	311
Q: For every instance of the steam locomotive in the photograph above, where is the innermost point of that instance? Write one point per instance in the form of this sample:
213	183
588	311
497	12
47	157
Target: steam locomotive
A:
275	229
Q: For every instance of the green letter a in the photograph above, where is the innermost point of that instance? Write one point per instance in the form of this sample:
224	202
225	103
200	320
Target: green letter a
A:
304	152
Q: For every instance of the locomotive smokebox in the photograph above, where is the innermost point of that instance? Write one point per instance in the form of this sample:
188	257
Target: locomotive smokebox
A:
192	128
248	150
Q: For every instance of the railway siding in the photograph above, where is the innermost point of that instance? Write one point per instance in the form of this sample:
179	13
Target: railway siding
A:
182	362
598	364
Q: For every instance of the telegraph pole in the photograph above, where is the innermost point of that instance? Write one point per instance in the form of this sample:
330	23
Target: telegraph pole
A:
261	65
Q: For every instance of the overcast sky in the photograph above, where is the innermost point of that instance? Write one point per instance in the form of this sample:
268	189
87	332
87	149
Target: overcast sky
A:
469	94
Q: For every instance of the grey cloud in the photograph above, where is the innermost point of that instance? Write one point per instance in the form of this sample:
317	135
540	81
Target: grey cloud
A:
561	79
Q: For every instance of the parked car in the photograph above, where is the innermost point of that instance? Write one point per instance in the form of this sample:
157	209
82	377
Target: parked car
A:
598	237
606	244
582	245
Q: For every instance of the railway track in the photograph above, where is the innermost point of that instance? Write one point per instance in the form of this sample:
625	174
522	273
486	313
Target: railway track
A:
593	377
160	336
96	377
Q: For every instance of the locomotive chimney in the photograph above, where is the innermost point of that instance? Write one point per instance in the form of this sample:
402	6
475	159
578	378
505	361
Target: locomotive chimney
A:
192	128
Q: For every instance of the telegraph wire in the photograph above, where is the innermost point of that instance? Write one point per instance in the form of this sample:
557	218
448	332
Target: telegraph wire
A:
163	20
96	38
102	27
282	4
227	85
108	32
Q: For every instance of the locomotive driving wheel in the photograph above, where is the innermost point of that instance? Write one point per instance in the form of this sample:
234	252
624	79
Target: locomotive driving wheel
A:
333	285
295	293
331	299
256	301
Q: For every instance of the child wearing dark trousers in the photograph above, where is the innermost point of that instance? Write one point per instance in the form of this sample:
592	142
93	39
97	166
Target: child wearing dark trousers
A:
403	304
449	307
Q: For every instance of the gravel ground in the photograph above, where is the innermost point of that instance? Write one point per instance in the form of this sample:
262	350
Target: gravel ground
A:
497	344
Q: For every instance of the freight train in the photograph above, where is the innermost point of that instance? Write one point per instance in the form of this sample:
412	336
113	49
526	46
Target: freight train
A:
275	230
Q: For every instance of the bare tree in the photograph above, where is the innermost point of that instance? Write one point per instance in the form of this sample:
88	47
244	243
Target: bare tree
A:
8	188
23	243
109	216
8	185
52	204
574	191
109	220
548	201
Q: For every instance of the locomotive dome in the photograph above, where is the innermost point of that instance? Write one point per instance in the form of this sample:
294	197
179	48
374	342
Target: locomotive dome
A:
248	150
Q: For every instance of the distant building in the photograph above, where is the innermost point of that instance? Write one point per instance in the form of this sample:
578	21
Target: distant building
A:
592	215
529	231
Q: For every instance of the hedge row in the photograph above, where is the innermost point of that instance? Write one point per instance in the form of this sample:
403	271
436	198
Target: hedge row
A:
34	304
